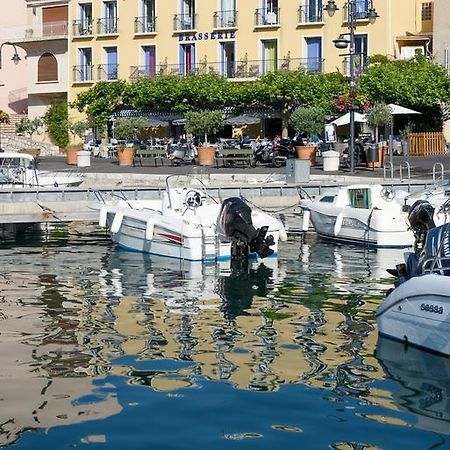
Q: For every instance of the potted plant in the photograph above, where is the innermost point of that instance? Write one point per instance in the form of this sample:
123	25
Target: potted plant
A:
310	121
378	115
57	121
128	129
203	123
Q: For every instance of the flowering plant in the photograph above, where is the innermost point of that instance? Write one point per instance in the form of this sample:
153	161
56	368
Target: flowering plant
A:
4	117
359	102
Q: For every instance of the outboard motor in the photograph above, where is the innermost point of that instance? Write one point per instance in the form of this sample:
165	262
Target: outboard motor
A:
235	223
420	218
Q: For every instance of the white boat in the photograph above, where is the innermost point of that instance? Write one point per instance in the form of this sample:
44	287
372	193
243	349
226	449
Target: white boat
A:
417	311
20	170
360	214
188	224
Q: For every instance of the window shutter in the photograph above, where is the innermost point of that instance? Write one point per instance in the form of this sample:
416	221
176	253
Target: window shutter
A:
47	68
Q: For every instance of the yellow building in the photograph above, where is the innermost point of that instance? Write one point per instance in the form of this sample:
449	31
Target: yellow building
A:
240	39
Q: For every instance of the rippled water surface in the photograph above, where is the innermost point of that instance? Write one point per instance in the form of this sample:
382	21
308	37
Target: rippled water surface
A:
101	348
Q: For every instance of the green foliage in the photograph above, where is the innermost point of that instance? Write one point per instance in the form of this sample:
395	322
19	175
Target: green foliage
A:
29	126
129	128
310	120
79	128
378	115
100	101
204	122
57	121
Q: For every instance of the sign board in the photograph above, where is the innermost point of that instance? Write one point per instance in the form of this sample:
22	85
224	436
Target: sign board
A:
330	133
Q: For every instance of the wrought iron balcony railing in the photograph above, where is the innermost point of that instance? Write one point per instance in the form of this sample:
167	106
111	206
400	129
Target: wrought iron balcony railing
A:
145	25
265	16
108	72
107	25
360	10
82	73
183	22
308	14
82	27
225	19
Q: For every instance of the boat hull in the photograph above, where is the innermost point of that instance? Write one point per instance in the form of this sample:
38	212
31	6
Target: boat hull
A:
417	312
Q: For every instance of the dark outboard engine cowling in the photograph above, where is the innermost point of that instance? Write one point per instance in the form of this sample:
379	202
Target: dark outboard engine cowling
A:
420	218
235	224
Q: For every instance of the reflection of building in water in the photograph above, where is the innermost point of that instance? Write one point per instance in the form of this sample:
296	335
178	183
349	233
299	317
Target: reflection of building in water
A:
39	357
424	384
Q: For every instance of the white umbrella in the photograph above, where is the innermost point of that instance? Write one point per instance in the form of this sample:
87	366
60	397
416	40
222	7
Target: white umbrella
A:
345	119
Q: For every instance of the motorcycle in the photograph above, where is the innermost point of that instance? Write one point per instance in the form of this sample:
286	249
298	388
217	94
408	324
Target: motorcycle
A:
182	153
281	151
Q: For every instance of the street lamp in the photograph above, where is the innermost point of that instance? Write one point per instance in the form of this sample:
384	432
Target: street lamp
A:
16	58
369	13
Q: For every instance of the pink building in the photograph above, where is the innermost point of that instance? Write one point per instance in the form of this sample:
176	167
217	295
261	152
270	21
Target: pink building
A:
13	77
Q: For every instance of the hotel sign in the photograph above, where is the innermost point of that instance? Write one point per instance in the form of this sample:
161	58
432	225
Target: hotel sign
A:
207	36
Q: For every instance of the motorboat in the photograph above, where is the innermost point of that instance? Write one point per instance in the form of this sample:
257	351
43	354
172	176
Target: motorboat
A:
359	214
423	383
20	170
417	311
189	224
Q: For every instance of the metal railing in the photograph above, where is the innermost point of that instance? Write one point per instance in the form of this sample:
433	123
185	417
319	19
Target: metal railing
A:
145	24
82	73
82	27
108	72
137	72
107	25
265	16
225	19
48	30
306	14
360	10
184	22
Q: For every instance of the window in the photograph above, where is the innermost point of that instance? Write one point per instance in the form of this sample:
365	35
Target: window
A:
110	68
361	9
313	54
85	24
314	10
187	14
54	21
148	15
227	62
109	23
187	58
427	11
270	56
227	15
149	54
359	198
47	68
84	70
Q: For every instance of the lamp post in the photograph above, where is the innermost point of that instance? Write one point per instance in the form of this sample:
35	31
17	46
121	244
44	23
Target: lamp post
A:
366	12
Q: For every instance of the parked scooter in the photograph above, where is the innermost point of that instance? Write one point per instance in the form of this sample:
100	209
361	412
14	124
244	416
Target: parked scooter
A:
262	154
281	151
182	153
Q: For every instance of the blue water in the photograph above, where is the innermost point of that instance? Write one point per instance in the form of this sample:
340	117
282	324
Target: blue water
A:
101	348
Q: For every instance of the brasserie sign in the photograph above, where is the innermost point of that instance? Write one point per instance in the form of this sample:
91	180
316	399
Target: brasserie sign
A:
207	36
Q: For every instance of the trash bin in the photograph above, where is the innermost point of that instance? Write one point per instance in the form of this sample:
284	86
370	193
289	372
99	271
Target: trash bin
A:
297	170
372	153
83	158
330	161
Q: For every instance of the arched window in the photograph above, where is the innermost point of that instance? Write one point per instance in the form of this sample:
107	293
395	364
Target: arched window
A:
47	68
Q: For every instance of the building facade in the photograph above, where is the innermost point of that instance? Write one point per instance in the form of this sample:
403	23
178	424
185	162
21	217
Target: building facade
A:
441	33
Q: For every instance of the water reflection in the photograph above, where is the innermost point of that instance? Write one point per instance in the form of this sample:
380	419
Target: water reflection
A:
423	383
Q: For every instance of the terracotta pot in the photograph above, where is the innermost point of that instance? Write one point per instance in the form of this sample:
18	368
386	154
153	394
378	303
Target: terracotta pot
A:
125	155
307	152
71	155
206	156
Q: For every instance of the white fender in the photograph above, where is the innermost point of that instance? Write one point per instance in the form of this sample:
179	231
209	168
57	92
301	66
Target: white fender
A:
149	229
117	222
338	223
305	221
282	232
102	217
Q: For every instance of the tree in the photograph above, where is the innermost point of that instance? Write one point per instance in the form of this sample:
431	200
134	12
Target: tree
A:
378	115
57	121
204	122
129	128
310	120
29	126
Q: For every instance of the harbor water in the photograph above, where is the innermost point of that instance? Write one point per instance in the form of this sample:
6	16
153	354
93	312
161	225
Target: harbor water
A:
106	349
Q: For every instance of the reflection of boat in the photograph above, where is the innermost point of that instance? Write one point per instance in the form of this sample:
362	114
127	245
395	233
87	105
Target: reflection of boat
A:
360	213
417	311
190	225
424	383
19	170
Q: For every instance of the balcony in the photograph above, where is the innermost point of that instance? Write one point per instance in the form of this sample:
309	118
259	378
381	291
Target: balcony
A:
108	72
82	74
266	17
82	27
360	13
144	25
41	32
225	19
107	26
310	15
184	22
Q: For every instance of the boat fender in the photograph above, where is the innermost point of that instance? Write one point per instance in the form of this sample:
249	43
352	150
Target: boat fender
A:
117	222
102	217
282	233
338	223
305	221
149	229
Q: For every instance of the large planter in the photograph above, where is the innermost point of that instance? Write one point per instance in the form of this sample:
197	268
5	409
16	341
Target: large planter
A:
306	152
125	156
71	155
206	156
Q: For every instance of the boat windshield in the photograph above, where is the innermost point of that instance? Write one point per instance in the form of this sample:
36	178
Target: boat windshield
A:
360	198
